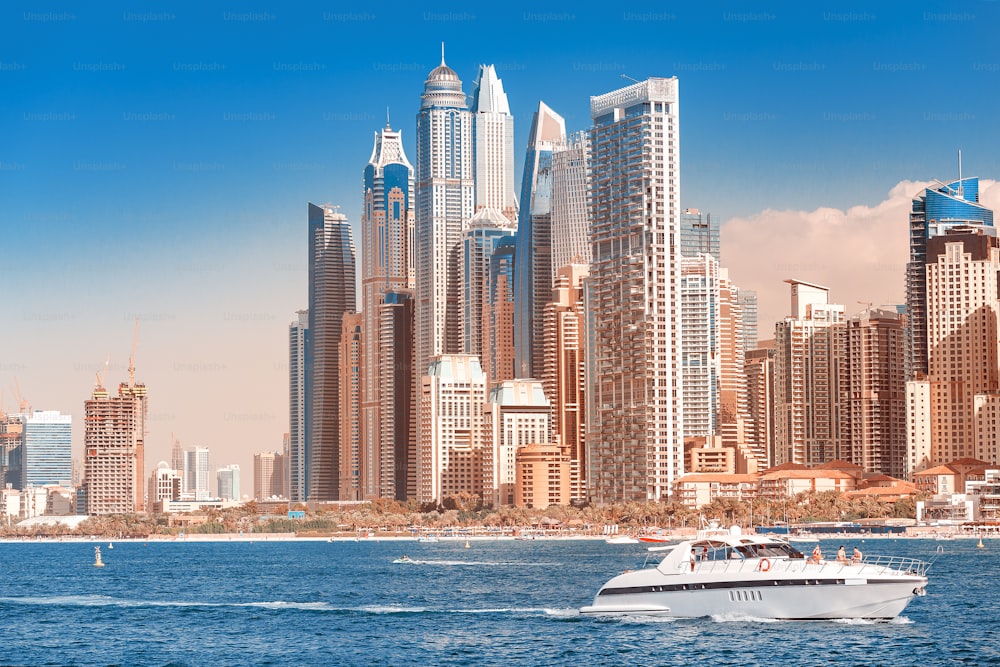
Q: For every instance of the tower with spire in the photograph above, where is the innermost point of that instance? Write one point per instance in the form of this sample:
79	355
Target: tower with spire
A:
445	196
387	282
493	144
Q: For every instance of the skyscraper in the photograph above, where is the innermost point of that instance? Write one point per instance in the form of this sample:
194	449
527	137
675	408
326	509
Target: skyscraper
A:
196	471
47	450
877	396
498	316
963	311
331	294
563	376
571	202
387	279
747	300
701	362
113	438
533	272
809	382
484	232
268	475
759	368
635	394
299	407
445	195
493	144
356	471
228	482
933	212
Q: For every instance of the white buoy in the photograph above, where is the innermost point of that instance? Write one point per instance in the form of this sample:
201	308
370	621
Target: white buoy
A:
97	557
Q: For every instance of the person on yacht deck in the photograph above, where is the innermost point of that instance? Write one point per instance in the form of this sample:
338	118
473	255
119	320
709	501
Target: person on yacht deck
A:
817	555
856	557
841	555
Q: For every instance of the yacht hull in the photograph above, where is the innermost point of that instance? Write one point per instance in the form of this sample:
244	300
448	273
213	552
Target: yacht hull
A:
799	599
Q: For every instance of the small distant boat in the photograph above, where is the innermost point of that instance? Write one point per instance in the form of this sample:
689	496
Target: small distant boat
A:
428	538
404	559
622	539
97	557
655	539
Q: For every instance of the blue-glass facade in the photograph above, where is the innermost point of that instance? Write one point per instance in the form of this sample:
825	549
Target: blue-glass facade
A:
934	211
47	449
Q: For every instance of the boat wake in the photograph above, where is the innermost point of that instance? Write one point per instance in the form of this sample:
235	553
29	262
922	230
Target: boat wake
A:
105	601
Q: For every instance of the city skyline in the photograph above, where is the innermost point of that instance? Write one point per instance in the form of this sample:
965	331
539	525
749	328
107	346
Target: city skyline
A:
170	183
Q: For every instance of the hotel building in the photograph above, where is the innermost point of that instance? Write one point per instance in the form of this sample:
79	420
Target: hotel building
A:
450	456
516	414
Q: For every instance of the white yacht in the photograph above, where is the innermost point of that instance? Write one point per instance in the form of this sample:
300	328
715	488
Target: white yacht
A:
724	573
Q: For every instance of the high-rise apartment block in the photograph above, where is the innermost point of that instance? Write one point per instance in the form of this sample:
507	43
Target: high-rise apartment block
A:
498	357
516	414
331	294
759	369
933	212
571	202
298	407
563	373
358	466
268	475
809	382
701	365
451	449
636	426
876	400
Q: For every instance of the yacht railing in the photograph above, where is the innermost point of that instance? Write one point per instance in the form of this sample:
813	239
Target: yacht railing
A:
870	566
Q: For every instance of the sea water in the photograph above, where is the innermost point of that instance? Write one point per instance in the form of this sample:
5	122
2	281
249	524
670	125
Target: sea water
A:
497	602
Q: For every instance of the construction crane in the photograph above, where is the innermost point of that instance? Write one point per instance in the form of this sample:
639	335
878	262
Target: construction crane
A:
131	357
22	404
99	375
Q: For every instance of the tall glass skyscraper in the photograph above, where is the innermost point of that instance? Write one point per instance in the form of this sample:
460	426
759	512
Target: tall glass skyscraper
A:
387	276
635	424
933	212
332	293
533	274
48	452
493	144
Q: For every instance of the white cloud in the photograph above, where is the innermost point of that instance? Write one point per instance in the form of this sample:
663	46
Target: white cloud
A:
860	253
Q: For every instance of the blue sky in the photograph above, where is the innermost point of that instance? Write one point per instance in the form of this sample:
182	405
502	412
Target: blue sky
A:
156	158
